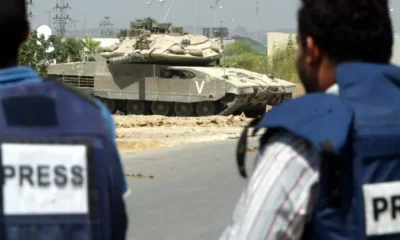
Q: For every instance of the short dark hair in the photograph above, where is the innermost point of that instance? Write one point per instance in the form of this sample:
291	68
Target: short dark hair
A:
13	25
348	30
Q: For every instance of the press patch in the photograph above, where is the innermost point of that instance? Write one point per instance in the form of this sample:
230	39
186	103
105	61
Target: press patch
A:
382	208
44	179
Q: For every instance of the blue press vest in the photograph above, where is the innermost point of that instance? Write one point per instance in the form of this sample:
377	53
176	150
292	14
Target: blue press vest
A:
53	114
358	135
13	76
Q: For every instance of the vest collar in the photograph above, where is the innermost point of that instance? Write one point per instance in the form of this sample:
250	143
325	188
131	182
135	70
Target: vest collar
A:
18	74
355	75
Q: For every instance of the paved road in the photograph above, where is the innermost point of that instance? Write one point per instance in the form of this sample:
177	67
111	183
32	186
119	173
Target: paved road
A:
192	195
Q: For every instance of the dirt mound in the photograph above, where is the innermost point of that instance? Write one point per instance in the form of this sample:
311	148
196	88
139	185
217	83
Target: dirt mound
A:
127	145
134	121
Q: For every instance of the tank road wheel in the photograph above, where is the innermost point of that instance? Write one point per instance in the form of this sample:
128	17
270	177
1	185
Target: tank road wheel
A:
206	108
255	112
110	104
121	105
184	109
136	107
161	108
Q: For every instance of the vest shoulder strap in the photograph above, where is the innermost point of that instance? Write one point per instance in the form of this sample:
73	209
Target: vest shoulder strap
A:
82	95
317	118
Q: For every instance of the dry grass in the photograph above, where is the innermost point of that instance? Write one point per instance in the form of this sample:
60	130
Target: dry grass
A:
253	149
140	176
127	145
299	91
135	121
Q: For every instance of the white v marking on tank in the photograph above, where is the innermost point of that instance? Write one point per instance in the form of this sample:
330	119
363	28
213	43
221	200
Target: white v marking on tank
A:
199	88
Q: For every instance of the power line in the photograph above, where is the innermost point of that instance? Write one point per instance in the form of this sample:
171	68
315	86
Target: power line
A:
107	27
61	18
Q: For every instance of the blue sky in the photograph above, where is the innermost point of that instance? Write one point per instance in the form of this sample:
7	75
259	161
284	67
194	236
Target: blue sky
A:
272	13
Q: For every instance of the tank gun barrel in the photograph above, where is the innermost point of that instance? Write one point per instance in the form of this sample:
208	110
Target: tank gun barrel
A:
127	58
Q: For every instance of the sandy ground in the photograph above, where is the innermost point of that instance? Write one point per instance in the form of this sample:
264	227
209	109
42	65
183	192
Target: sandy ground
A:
147	132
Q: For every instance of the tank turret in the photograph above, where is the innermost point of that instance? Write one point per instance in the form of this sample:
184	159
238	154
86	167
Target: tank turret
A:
162	43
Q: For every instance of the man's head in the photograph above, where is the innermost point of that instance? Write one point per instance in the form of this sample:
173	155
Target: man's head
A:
335	31
14	29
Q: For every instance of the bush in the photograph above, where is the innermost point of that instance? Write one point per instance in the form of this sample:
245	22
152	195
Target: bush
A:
33	53
238	48
281	64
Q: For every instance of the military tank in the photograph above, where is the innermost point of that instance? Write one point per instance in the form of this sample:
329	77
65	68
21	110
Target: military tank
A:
161	70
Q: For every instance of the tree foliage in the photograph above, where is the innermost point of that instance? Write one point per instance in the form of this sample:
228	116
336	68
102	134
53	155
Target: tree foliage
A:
65	48
38	53
122	33
281	64
238	48
241	54
91	46
33	53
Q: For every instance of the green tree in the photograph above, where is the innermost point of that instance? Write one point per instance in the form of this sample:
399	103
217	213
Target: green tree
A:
91	45
122	33
60	52
281	64
67	49
238	48
74	48
33	53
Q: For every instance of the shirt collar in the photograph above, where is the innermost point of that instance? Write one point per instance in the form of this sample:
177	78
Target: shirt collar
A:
334	89
18	74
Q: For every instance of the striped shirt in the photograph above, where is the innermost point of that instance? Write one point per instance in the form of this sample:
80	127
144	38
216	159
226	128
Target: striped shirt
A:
279	197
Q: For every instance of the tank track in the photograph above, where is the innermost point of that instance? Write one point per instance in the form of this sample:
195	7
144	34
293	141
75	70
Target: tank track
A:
118	106
233	106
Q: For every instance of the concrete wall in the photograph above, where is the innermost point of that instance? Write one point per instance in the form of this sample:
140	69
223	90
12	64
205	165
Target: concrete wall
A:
276	38
396	51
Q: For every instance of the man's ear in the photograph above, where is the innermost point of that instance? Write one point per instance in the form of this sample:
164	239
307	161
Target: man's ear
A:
314	53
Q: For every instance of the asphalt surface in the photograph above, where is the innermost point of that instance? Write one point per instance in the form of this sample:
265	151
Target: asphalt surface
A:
192	195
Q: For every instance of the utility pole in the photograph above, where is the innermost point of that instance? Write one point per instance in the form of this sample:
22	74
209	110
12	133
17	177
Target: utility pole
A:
29	4
75	30
148	7
49	17
256	3
61	17
161	9
84	25
195	16
107	27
